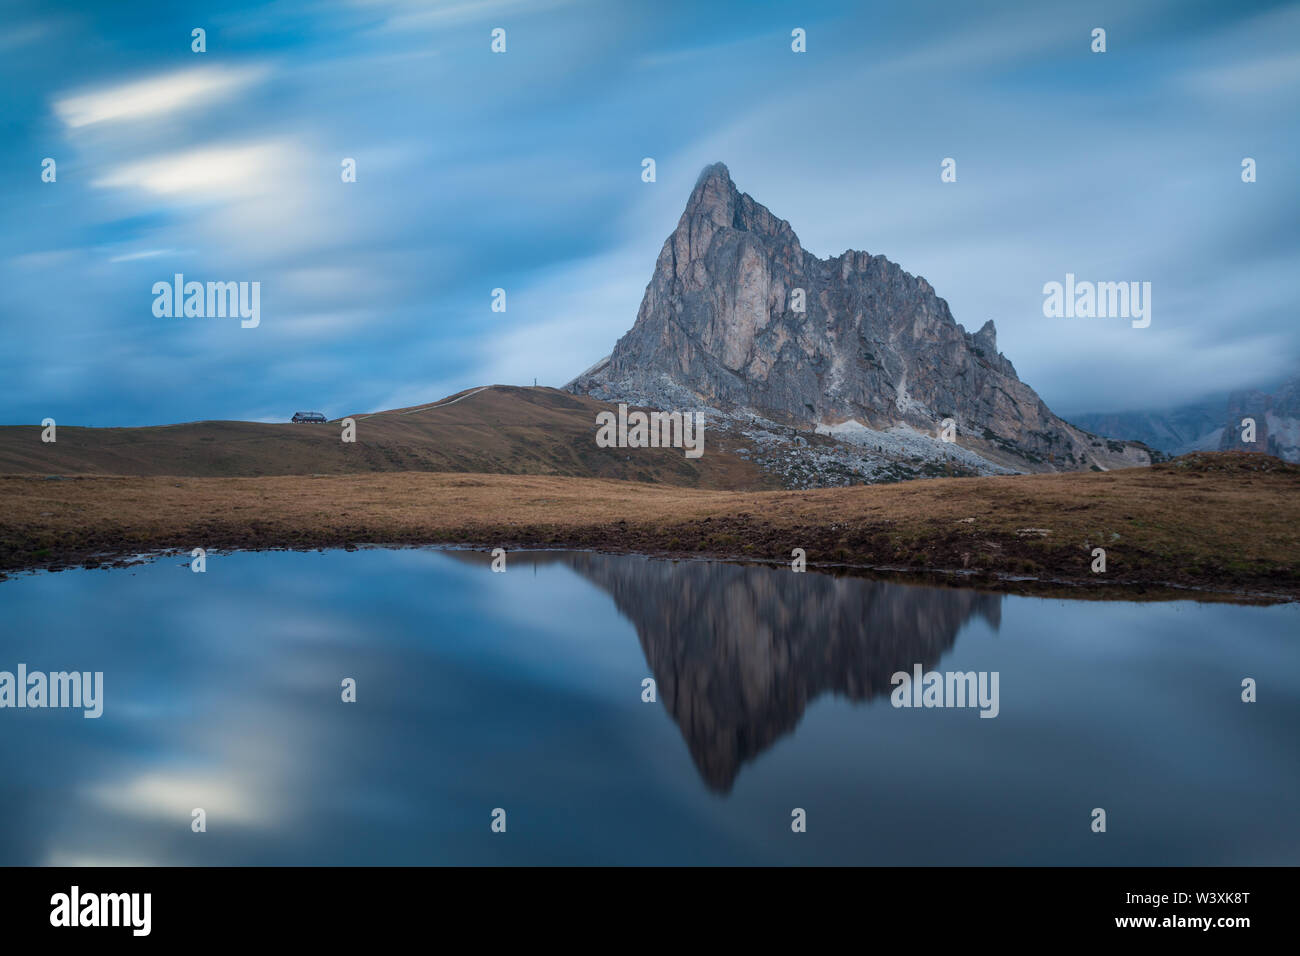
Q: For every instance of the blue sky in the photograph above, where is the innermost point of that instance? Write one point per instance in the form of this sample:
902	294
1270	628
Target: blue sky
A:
522	171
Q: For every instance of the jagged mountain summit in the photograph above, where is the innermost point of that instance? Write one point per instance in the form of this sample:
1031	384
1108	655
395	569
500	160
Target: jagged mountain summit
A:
741	319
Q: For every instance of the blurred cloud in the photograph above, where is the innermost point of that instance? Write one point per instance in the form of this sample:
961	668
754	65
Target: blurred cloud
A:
418	14
211	172
522	171
171	795
155	96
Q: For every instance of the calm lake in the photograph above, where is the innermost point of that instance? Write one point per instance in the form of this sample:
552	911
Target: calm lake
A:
522	691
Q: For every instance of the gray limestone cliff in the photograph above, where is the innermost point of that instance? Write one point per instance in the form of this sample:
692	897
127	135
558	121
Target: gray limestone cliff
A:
1277	421
869	346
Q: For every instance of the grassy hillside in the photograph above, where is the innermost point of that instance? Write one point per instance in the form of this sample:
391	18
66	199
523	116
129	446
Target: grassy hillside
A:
502	429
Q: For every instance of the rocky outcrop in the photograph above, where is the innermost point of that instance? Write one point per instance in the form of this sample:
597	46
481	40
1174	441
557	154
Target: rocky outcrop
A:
738	317
1276	417
1214	425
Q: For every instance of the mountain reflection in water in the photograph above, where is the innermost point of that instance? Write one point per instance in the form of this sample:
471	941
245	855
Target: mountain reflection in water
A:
738	651
523	691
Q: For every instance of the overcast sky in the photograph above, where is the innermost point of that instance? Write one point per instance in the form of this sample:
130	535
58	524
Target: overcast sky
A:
522	171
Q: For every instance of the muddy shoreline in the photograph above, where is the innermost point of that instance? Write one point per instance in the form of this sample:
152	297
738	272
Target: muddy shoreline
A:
1211	527
1131	587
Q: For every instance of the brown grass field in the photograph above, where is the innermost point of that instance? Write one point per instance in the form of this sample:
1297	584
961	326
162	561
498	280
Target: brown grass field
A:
504	429
1224	524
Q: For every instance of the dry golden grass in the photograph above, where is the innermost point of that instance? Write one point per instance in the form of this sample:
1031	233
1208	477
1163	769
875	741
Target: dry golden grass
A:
500	430
1225	522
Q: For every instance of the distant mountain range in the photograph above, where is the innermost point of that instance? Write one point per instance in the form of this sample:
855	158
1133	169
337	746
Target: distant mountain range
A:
1214	424
739	319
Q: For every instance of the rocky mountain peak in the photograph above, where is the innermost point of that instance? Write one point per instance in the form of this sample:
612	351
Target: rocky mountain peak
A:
740	318
716	204
714	195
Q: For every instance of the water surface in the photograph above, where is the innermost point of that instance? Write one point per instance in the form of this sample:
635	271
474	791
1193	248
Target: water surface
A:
479	690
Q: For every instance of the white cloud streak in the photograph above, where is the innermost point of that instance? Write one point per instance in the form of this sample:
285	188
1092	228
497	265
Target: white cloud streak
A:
155	96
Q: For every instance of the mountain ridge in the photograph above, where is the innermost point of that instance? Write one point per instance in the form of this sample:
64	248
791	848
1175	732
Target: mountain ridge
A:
1214	424
740	318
